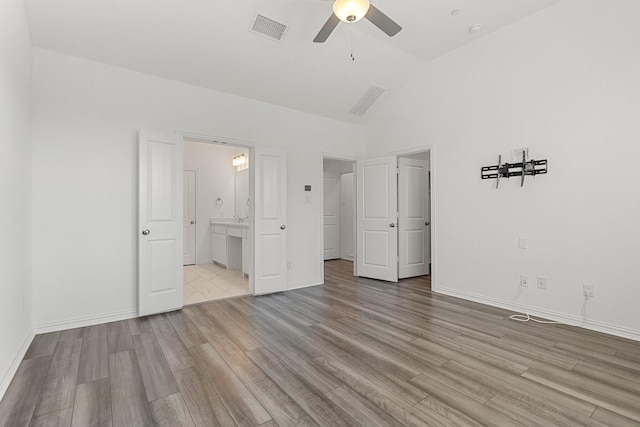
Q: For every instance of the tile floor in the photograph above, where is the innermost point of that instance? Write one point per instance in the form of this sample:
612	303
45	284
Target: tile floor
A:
207	282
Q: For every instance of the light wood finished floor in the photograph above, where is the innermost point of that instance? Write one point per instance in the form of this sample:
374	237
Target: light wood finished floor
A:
352	352
209	282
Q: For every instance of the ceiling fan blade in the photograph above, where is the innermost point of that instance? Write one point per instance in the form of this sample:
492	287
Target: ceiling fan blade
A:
327	29
382	21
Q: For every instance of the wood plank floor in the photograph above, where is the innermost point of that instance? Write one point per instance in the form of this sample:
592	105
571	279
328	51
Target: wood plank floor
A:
352	352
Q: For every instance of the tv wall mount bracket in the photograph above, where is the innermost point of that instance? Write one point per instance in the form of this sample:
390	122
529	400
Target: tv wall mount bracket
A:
521	169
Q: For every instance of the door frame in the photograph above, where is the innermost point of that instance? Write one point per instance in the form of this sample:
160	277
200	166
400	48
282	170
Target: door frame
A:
431	148
352	160
247	145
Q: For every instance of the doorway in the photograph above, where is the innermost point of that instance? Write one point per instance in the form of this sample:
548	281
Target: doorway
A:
216	218
161	226
338	219
338	209
394	217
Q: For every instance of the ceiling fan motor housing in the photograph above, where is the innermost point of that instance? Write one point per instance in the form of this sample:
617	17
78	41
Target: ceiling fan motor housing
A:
350	10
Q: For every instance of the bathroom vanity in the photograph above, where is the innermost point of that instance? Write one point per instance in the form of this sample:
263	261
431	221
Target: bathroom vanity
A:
230	245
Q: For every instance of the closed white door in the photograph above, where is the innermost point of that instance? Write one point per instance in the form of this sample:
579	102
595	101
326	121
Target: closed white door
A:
270	227
189	217
331	217
347	216
413	215
376	229
160	223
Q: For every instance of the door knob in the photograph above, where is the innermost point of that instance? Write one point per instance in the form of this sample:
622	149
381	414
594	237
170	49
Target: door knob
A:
282	227
146	232
392	225
427	223
193	222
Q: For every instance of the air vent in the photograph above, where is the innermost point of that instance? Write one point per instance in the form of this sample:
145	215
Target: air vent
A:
367	100
267	27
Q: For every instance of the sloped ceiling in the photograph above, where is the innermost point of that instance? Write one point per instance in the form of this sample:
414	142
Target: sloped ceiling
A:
207	43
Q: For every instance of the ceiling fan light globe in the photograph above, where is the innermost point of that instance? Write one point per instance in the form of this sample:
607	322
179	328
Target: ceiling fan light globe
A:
350	11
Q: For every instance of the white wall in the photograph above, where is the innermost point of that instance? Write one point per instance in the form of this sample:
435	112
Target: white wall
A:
566	83
85	121
215	178
15	187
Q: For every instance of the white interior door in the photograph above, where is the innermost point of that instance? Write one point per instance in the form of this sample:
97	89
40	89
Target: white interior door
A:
347	216
331	222
377	210
189	217
413	217
270	234
160	223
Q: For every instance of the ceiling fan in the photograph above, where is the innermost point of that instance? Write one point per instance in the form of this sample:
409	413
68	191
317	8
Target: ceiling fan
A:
351	11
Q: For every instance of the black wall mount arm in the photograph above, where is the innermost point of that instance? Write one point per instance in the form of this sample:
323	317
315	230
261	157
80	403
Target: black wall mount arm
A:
521	169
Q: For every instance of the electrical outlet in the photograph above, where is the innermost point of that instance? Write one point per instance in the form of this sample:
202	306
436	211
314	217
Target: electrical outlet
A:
542	283
524	281
288	265
589	290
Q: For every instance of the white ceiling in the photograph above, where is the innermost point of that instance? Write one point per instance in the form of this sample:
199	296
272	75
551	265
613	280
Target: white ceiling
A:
207	43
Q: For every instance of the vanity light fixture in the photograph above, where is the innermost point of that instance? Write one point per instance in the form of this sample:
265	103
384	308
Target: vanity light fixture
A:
239	160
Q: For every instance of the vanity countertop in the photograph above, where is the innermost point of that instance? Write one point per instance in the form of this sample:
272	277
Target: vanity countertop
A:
228	223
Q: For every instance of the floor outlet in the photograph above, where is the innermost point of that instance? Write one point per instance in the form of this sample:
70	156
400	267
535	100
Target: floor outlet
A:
542	283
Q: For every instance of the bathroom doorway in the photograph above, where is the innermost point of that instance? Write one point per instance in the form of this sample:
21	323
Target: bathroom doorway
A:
216	222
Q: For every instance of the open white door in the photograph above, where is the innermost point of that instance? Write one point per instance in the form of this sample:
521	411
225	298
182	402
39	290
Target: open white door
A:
189	217
376	228
413	213
331	216
160	223
270	237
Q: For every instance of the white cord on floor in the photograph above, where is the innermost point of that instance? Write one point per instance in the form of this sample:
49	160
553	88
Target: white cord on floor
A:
527	318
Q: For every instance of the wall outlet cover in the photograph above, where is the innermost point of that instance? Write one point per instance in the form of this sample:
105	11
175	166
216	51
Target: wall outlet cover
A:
589	290
522	243
542	283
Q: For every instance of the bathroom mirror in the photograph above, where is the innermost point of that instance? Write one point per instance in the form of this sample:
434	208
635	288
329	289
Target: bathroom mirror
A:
242	193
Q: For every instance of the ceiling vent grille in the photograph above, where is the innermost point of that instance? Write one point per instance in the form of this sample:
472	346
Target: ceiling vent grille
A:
268	27
367	100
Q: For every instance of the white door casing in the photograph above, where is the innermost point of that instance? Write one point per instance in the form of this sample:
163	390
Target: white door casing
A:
413	213
331	216
189	192
270	220
427	255
160	286
376	225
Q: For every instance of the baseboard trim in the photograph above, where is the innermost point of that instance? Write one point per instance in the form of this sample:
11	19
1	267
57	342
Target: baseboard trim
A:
79	322
296	285
305	284
15	364
594	325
